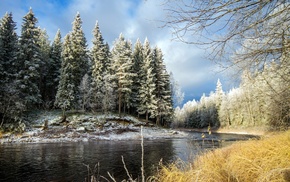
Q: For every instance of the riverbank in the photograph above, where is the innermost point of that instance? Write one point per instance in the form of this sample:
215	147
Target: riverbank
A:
258	131
267	159
50	127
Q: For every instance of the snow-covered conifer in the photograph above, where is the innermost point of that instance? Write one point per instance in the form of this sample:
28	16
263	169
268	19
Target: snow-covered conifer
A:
8	49
147	97
53	75
162	88
66	97
137	60
99	68
74	67
79	49
11	104
44	45
29	61
123	74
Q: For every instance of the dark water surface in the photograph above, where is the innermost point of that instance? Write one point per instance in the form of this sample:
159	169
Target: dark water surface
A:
67	161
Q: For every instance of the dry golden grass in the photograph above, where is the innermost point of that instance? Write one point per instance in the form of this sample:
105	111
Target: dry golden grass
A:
262	160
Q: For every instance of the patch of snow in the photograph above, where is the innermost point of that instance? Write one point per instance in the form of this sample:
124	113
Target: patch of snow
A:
86	127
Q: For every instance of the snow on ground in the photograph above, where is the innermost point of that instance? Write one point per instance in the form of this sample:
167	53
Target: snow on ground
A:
64	135
87	127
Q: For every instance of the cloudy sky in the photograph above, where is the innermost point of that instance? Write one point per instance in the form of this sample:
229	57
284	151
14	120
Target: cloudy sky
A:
135	19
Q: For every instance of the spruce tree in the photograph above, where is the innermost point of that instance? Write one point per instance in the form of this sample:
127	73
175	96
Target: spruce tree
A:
74	67
10	106
79	54
53	75
219	96
137	60
65	96
29	61
44	44
100	68
8	49
163	88
123	74
147	98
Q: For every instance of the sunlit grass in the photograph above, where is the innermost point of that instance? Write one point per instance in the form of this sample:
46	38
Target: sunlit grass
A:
262	160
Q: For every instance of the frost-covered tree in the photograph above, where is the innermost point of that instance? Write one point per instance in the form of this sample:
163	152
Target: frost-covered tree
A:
79	50
146	93
8	49
162	91
137	60
177	94
123	74
65	94
53	75
29	61
84	89
235	22
109	99
10	102
73	68
218	98
100	67
44	44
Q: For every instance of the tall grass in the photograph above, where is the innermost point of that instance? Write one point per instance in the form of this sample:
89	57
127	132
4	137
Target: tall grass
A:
262	160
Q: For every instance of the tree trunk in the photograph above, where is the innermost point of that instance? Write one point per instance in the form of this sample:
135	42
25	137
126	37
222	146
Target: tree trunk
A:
120	103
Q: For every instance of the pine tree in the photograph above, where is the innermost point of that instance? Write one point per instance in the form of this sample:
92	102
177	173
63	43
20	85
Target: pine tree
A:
79	53
218	96
147	98
74	66
123	74
163	88
109	99
44	45
10	102
66	96
53	75
8	49
136	85
29	61
100	68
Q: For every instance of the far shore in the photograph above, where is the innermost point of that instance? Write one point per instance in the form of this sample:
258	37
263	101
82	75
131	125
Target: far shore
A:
241	131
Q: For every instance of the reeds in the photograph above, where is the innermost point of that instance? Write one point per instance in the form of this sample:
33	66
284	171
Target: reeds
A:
262	160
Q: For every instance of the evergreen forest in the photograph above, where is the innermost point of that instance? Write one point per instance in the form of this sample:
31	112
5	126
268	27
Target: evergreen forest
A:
66	74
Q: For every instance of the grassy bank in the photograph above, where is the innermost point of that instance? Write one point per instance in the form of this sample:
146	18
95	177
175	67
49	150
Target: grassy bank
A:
262	160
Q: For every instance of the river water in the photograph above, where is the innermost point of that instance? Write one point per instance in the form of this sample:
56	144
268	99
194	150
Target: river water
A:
69	161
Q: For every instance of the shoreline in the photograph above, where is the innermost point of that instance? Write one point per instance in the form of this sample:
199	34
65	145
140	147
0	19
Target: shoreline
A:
48	127
238	131
63	134
118	133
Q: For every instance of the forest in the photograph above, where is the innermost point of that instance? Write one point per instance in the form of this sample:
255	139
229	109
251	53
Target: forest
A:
67	75
262	100
250	40
132	79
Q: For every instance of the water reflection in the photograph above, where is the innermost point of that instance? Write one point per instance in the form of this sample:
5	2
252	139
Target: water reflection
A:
65	161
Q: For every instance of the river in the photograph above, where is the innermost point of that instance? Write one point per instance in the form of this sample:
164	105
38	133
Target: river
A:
68	161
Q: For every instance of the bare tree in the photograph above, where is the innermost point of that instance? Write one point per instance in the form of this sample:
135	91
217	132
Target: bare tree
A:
225	26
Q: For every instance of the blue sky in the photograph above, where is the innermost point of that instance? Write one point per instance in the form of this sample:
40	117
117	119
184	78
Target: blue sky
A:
135	19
